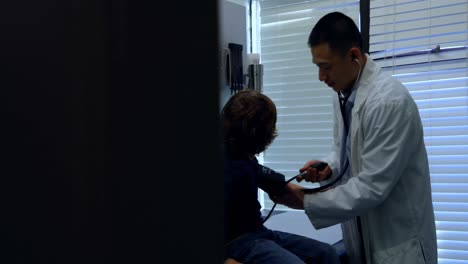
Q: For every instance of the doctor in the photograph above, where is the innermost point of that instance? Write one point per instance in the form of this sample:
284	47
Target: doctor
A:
383	198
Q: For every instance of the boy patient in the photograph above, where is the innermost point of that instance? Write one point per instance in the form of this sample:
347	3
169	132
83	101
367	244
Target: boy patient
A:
249	124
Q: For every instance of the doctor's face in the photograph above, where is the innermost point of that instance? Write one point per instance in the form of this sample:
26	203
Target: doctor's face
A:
336	70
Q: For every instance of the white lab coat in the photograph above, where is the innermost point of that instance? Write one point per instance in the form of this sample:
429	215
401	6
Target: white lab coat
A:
390	189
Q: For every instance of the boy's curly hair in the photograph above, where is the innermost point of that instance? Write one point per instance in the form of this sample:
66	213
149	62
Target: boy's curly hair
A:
249	123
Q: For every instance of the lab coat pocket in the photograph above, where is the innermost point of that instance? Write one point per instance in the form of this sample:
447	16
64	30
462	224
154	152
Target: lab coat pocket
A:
408	252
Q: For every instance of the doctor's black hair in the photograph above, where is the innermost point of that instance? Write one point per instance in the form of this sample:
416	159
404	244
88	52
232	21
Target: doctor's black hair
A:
249	123
338	30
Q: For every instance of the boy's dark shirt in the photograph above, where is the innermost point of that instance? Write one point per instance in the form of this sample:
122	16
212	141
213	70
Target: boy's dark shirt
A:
242	178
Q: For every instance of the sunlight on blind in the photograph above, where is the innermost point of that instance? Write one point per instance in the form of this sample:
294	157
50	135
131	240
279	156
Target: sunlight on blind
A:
425	45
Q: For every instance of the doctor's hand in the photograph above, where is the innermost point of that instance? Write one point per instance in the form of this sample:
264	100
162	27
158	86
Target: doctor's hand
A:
292	197
313	175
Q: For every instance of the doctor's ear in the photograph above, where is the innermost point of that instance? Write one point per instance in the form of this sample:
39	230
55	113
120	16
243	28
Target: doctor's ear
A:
354	54
354	58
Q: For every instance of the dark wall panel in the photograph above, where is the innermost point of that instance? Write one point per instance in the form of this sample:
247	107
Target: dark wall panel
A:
109	127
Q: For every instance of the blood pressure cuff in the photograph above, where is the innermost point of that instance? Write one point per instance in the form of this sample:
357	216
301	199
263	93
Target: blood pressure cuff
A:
270	181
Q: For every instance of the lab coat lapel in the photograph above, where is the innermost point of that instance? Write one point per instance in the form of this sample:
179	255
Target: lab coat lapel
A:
361	95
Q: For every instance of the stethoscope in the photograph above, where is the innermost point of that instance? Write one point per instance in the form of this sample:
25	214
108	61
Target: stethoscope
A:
343	100
321	165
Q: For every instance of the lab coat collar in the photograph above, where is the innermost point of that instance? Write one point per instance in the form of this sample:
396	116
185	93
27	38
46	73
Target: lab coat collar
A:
369	70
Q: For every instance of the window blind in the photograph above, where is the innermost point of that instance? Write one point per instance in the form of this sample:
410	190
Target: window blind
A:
291	81
424	44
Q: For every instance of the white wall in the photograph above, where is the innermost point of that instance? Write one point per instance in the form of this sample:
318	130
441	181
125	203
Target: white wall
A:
239	2
233	29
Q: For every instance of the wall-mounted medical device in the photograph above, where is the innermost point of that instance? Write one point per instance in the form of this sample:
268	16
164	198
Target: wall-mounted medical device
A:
255	73
234	68
235	77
